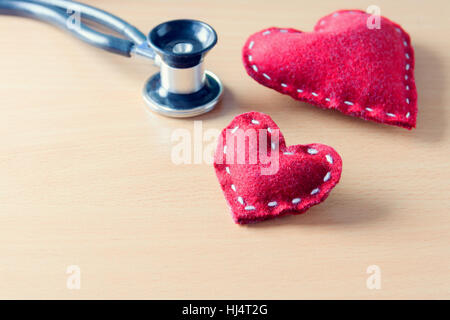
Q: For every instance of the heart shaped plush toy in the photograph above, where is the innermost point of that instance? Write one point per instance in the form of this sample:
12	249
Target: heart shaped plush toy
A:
262	178
343	65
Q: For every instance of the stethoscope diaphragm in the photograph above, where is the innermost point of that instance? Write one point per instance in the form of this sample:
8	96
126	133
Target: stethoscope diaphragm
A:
182	88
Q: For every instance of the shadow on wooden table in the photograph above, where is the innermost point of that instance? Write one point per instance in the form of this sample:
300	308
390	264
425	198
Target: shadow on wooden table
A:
227	105
431	87
431	82
338	209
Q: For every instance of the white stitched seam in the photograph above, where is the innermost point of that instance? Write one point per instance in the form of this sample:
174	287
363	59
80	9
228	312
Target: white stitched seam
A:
295	200
407	67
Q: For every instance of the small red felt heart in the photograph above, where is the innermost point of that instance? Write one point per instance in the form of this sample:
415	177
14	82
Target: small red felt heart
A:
343	65
262	178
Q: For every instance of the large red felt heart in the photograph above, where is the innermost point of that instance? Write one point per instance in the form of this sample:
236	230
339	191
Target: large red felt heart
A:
262	178
343	65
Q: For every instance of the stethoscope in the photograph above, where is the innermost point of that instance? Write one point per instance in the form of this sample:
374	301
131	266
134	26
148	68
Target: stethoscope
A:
182	88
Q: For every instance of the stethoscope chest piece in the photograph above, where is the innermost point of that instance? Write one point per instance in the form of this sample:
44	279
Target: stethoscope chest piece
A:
182	88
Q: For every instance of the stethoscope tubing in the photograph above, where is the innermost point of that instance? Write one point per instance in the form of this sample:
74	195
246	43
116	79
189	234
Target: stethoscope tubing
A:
181	89
56	12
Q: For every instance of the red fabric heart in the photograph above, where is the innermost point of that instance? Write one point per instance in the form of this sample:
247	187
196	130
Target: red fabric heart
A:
300	176
343	65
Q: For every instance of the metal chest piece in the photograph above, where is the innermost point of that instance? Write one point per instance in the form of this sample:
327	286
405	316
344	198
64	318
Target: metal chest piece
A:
182	88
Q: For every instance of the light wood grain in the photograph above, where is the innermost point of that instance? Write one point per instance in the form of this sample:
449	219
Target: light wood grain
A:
86	176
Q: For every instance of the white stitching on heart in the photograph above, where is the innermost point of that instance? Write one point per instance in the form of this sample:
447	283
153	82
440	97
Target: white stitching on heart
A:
311	151
407	68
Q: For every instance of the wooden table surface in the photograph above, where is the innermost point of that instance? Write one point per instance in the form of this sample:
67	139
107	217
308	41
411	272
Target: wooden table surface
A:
86	176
